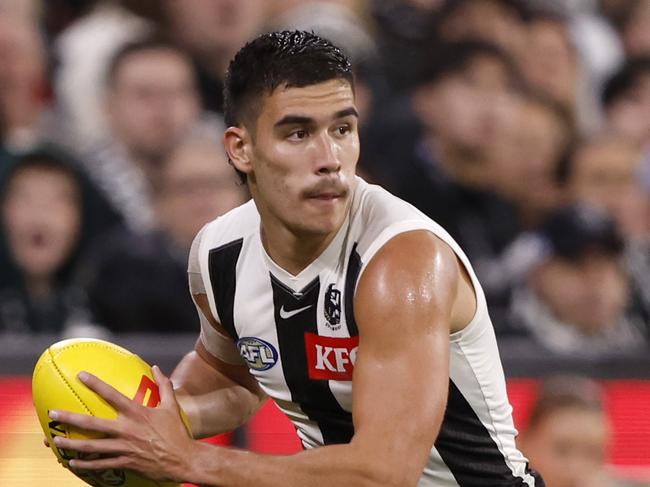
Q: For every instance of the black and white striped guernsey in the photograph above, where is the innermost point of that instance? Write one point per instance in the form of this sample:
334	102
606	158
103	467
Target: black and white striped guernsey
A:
298	336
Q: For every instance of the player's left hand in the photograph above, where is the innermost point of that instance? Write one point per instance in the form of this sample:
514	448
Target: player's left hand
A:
151	441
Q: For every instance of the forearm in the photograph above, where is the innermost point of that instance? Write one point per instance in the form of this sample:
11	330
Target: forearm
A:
335	466
213	402
218	411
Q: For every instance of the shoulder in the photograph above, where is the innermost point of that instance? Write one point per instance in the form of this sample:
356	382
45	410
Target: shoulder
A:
375	204
378	217
419	270
411	262
237	223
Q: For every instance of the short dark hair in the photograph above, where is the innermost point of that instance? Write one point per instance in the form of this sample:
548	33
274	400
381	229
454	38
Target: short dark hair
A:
450	58
625	79
291	58
46	157
571	232
149	43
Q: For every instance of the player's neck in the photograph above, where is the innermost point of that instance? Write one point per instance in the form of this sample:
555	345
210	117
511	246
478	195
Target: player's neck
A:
294	251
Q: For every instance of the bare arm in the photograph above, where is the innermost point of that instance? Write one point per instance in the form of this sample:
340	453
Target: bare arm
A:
216	396
405	304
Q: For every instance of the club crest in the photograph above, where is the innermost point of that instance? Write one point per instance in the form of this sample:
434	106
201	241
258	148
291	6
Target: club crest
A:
332	307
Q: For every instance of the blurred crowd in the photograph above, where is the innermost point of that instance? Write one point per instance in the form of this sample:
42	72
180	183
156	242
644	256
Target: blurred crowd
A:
521	126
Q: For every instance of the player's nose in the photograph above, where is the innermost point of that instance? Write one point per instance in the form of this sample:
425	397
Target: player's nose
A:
326	154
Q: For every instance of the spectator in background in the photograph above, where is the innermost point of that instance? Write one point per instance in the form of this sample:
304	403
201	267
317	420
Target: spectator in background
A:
550	62
195	185
626	101
577	299
524	160
82	51
50	214
495	21
138	282
403	30
532	148
212	31
567	435
437	159
152	102
606	172
23	83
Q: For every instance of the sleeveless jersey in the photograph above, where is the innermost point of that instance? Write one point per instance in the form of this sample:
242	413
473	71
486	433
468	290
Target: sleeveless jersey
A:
298	336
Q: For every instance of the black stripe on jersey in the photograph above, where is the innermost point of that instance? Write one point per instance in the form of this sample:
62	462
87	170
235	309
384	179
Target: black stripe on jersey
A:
314	396
222	264
354	267
467	448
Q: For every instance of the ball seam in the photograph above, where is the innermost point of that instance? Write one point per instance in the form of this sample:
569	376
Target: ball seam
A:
56	367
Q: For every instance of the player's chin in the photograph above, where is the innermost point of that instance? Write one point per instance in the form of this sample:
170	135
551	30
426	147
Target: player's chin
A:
321	224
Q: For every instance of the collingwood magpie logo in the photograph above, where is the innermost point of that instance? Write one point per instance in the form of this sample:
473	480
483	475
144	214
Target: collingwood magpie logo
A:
333	307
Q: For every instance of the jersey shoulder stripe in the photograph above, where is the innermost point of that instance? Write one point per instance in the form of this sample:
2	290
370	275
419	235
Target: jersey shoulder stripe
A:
222	265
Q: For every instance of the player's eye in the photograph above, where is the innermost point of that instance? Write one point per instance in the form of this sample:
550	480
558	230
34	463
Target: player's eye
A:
343	129
298	134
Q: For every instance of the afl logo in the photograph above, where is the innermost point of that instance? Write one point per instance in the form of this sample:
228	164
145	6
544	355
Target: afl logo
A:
259	354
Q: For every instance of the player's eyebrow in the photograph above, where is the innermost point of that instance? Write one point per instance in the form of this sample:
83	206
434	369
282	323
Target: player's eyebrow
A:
303	120
294	120
346	112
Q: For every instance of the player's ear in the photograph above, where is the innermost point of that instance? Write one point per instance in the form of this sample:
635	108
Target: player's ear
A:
236	141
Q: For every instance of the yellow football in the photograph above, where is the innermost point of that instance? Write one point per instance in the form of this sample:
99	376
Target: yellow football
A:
55	386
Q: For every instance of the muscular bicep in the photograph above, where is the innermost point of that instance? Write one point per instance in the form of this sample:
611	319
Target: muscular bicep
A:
403	308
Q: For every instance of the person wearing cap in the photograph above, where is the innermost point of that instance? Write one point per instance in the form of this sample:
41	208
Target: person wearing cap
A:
576	299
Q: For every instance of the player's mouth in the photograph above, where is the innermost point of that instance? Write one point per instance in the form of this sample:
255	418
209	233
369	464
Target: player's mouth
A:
326	196
327	191
326	200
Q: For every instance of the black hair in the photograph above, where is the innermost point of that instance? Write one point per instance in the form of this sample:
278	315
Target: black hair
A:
96	213
149	43
572	231
291	58
49	158
625	79
454	57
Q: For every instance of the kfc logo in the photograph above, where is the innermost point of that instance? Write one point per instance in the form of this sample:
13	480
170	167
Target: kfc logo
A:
331	358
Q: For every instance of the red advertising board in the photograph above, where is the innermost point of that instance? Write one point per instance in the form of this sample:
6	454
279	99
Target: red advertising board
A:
24	461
